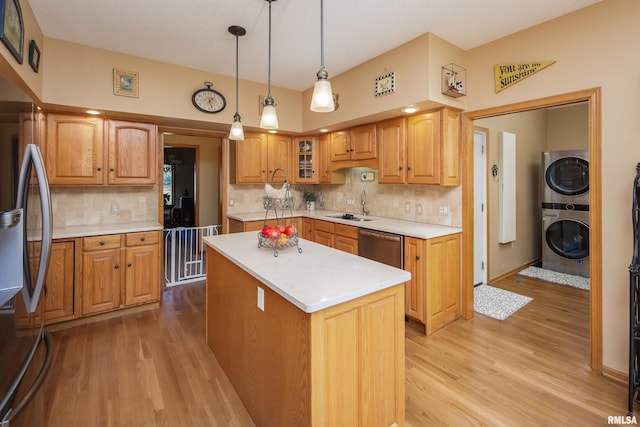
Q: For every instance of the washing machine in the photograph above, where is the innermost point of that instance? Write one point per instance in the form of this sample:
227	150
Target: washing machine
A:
565	238
566	177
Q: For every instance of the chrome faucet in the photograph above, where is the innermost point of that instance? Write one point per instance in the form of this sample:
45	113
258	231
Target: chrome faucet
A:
365	210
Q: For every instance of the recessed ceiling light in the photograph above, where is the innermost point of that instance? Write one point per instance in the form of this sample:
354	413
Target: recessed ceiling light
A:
94	112
324	130
410	110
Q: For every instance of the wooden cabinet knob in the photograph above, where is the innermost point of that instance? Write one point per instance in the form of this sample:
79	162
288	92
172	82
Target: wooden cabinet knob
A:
142	239
129	265
116	266
400	168
417	257
99	169
101	242
408	168
112	169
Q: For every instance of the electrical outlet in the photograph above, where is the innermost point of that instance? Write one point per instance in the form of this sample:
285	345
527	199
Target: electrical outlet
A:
350	202
444	210
115	208
260	298
407	207
366	176
231	202
419	209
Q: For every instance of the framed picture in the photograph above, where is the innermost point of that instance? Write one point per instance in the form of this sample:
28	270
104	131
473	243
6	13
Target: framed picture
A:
125	83
385	84
11	27
34	55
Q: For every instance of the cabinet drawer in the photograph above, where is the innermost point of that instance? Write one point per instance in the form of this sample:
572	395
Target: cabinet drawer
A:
346	231
327	226
142	238
96	243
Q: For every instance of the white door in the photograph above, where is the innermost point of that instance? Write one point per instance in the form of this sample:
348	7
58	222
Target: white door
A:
480	207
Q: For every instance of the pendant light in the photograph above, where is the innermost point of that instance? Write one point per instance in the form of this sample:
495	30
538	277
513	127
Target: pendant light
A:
269	119
322	99
236	132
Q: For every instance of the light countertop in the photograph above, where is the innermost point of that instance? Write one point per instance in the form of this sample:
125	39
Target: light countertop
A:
420	230
99	229
318	278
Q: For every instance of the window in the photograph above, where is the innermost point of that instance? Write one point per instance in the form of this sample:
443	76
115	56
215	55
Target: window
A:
167	185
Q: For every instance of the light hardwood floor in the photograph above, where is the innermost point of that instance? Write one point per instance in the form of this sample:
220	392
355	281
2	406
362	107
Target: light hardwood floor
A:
154	368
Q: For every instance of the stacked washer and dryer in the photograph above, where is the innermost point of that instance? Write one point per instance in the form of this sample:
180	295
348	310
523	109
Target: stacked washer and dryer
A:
565	211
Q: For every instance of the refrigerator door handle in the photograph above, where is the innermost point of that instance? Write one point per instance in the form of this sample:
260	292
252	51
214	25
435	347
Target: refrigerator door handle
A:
34	156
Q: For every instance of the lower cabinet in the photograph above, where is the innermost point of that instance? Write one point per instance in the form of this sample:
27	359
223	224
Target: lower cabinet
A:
120	270
346	238
59	303
432	296
323	232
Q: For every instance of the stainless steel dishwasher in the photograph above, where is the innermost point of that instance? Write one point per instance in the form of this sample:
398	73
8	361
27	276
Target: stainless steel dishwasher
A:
380	246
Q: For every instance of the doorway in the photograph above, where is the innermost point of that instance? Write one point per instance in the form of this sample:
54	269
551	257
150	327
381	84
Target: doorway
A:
480	230
592	98
178	186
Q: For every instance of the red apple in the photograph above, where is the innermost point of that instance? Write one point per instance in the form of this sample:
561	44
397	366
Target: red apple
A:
266	230
289	230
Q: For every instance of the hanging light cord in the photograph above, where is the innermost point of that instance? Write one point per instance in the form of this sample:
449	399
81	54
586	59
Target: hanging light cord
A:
237	73
321	35
269	71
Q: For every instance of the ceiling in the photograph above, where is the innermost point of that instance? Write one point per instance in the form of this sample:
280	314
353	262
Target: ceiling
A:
193	33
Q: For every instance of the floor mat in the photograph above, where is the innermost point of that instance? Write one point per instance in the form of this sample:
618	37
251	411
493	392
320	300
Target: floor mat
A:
555	277
497	303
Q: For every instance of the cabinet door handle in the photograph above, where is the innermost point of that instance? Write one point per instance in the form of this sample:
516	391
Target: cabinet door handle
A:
112	169
99	169
417	257
129	265
101	242
408	168
142	239
400	168
117	266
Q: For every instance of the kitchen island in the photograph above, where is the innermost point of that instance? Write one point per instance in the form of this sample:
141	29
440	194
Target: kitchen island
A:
307	339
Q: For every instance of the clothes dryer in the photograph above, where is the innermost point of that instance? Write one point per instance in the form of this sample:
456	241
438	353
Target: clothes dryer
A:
565	238
566	177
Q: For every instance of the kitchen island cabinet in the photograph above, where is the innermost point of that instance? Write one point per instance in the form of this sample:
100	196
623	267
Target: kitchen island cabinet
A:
308	339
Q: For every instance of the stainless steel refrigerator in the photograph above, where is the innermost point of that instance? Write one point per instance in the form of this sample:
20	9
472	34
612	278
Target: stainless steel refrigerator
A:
26	348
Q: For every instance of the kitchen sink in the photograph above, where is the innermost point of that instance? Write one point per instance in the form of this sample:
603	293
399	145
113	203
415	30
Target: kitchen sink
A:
351	217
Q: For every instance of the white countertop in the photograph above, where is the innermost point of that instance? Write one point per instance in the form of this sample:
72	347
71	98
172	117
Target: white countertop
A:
420	230
318	278
99	229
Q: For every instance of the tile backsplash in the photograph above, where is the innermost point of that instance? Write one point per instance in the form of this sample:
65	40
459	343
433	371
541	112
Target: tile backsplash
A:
103	205
421	203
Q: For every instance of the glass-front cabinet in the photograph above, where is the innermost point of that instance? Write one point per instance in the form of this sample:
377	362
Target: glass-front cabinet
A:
307	159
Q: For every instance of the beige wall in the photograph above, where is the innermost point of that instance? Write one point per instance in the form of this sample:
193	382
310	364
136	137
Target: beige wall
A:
568	128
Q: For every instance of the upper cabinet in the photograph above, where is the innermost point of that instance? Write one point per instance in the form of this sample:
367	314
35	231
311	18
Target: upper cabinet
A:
80	152
75	150
132	153
254	160
421	149
358	143
306	160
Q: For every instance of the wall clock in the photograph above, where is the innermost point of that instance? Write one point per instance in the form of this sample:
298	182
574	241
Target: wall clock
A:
208	100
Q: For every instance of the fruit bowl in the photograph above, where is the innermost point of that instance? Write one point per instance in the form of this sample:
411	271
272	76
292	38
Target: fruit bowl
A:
278	237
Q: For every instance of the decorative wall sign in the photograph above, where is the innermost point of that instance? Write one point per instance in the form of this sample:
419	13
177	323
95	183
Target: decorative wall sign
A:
34	55
125	83
11	27
386	84
509	74
454	80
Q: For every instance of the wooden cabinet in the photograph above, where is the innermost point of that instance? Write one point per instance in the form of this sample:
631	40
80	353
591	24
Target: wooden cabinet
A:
132	153
432	296
33	131
346	238
326	172
306	160
323	232
307	229
101	273
236	226
392	154
142	277
120	270
254	160
433	148
76	147
443	281
75	150
358	143
59	303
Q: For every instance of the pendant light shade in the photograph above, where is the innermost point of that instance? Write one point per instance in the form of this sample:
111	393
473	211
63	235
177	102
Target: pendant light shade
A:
322	99
269	119
236	132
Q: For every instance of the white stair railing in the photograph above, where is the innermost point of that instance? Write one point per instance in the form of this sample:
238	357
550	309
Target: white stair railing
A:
184	254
